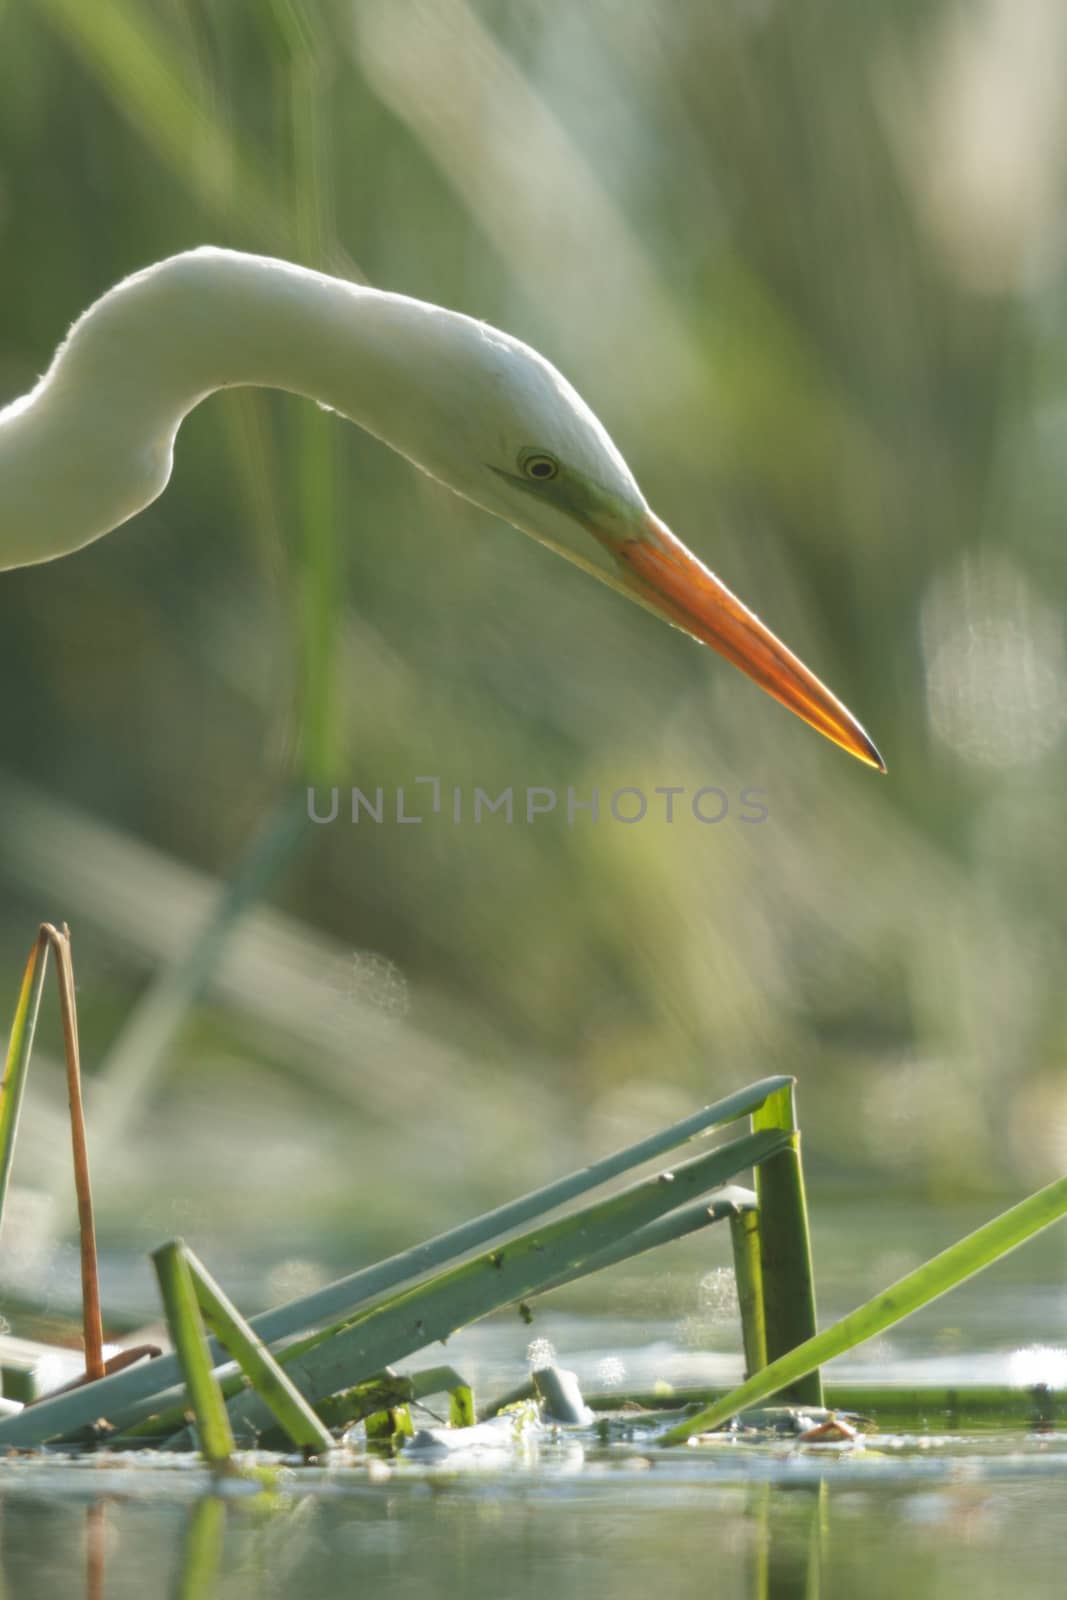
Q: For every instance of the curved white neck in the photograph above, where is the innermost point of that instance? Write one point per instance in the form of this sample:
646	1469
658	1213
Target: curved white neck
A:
92	444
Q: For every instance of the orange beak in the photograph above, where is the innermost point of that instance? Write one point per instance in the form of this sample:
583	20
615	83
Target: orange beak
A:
668	579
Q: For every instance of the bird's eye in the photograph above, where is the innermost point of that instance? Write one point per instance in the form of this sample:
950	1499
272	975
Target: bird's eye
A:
539	465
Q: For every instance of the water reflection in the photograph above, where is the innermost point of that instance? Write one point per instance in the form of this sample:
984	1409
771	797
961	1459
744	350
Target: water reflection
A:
201	1559
955	1521
789	1548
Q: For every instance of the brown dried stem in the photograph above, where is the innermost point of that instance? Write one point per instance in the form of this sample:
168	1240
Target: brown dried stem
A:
58	941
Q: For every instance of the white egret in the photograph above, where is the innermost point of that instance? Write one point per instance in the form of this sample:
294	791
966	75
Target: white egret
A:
92	444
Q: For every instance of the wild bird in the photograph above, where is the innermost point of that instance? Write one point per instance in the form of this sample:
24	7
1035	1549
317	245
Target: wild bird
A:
92	444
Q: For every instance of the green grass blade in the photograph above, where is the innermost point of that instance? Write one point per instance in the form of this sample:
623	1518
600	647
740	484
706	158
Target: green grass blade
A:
728	1206
190	1341
748	1273
17	1064
135	61
959	1262
303	47
785	1246
256	1362
321	593
945	1408
129	1397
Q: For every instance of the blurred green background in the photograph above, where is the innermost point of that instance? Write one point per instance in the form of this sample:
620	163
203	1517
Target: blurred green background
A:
807	262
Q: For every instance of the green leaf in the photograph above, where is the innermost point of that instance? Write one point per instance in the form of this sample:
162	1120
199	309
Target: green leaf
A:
19	1048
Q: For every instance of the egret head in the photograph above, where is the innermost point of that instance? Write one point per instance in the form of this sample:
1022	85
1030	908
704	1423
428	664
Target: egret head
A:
504	429
474	407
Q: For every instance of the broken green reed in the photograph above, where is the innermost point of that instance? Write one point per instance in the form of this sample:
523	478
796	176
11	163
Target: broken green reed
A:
408	1320
379	1391
404	1323
194	1301
190	1341
531	1263
387	1312
420	1315
128	1397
